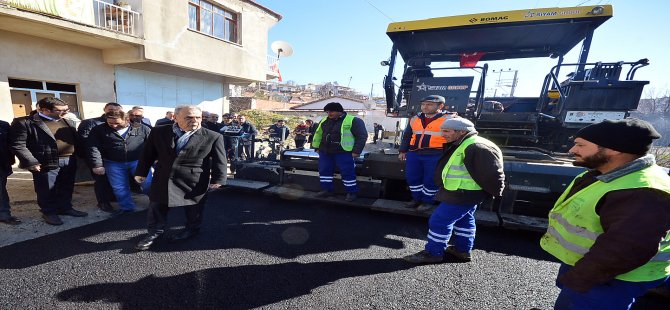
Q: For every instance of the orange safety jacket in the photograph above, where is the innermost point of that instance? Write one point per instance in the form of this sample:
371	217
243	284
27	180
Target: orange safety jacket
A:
429	137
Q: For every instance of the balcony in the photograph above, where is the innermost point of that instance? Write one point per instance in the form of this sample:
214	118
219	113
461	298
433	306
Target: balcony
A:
116	18
91	23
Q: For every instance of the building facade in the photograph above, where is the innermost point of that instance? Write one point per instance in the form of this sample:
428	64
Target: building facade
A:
154	54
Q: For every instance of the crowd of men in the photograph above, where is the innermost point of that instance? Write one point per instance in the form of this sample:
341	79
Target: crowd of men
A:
610	229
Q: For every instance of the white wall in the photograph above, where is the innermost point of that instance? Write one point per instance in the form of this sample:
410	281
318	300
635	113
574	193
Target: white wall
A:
158	92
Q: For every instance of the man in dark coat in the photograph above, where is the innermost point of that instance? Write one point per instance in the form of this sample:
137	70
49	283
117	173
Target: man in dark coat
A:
46	144
101	187
167	120
185	155
6	161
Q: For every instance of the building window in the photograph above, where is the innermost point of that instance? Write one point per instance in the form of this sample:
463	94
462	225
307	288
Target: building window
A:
205	17
26	93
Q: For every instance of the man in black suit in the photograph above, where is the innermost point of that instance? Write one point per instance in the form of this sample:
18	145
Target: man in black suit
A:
185	156
46	145
6	161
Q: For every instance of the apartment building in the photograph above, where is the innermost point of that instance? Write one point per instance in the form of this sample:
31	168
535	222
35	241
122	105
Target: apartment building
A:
150	53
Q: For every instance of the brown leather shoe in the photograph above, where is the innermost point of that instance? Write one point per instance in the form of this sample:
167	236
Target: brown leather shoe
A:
52	219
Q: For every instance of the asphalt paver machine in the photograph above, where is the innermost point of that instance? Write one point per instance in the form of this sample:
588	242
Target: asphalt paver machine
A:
533	132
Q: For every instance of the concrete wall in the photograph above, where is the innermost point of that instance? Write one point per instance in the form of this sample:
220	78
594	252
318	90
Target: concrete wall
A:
32	58
168	40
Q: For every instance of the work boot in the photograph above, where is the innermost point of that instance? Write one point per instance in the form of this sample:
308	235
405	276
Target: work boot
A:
52	219
423	257
461	256
412	204
323	194
350	197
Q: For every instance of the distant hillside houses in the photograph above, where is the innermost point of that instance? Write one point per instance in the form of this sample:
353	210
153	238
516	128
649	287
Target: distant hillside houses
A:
292	93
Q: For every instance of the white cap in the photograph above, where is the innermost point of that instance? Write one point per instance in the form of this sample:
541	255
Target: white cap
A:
458	123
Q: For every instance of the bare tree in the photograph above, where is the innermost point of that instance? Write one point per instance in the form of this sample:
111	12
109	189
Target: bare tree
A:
657	102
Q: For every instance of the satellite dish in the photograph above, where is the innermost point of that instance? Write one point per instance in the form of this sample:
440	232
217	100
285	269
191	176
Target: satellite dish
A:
282	48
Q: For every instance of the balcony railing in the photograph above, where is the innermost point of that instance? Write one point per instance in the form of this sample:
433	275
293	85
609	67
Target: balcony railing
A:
116	18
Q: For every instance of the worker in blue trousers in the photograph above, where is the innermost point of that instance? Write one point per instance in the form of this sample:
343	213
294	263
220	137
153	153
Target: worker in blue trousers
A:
420	148
339	139
469	172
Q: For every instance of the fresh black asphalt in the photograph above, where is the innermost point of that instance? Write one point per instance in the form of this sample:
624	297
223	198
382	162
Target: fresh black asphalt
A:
258	251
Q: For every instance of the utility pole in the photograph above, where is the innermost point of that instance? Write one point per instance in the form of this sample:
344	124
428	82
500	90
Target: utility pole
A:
506	82
349	81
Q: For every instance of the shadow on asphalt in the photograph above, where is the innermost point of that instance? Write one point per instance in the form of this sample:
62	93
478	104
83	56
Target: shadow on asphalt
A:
266	224
242	287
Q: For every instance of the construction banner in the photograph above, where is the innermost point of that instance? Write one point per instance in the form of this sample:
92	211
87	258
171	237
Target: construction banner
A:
75	10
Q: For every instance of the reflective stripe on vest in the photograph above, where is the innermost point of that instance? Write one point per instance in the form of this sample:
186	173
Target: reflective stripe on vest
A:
574	224
429	137
455	175
347	139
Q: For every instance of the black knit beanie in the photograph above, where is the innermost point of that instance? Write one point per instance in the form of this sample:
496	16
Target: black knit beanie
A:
334	107
631	135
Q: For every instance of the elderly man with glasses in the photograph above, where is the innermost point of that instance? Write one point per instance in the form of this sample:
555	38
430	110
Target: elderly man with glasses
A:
45	144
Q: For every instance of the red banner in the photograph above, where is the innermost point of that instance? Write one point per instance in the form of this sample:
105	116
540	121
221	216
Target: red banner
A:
469	60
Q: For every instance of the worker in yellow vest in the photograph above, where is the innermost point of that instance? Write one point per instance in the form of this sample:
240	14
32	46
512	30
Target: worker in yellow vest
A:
420	149
339	139
610	228
469	171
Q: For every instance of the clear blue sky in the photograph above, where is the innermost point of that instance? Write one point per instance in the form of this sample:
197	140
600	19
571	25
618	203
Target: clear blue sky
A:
339	40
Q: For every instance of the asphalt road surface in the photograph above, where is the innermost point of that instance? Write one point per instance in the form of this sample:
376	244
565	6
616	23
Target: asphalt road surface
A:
258	251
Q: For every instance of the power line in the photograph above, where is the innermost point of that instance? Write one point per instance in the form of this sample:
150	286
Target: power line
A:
380	11
583	2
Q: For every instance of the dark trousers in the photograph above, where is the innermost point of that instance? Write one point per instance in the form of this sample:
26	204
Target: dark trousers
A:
299	143
245	149
378	135
54	187
234	152
157	216
102	188
4	196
